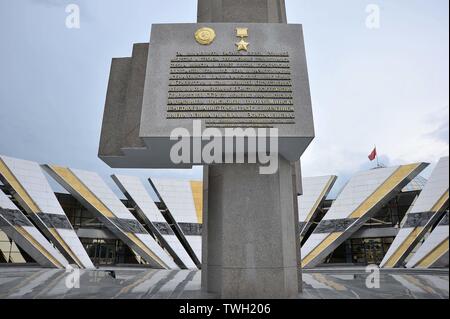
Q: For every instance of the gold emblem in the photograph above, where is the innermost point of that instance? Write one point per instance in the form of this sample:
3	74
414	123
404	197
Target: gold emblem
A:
242	33
242	45
205	36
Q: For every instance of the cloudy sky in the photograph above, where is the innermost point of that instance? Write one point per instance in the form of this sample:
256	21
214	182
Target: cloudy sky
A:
386	87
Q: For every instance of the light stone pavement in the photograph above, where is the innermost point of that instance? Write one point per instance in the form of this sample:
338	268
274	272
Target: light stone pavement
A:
137	283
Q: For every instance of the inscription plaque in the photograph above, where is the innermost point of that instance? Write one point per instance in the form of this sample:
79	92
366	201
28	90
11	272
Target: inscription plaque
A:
219	84
220	98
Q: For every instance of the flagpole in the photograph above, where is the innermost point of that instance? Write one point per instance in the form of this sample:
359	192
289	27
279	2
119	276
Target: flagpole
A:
378	160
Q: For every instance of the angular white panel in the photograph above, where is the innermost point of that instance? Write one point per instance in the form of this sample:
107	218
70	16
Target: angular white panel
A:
91	190
178	197
313	241
196	243
150	242
437	242
147	209
361	186
315	190
422	215
31	178
436	186
363	195
28	237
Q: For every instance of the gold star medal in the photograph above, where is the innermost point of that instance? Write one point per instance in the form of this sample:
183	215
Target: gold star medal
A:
242	45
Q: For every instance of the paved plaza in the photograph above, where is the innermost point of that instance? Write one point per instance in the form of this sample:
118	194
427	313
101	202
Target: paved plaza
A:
132	283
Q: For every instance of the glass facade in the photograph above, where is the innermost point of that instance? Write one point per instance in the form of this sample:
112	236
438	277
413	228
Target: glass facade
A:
78	216
392	214
368	251
108	252
361	251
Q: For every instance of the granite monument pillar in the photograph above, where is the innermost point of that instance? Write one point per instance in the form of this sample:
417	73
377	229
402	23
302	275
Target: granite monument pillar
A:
251	245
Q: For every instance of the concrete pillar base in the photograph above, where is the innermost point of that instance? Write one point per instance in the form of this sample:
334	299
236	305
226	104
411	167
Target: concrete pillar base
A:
250	226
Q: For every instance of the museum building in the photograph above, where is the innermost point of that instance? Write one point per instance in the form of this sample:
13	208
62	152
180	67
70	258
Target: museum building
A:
388	216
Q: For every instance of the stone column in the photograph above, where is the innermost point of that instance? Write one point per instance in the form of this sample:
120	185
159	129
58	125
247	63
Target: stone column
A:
251	245
251	11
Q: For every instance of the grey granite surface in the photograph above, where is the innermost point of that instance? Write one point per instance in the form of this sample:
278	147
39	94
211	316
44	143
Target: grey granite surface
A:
136	283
